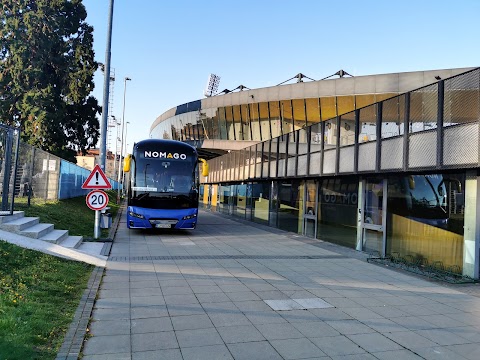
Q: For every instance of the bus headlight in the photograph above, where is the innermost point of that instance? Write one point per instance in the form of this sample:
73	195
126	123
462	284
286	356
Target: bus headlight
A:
135	215
188	217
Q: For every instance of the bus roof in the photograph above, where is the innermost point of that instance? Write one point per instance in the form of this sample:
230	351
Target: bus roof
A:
161	144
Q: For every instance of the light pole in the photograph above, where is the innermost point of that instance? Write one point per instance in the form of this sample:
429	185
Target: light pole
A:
125	152
103	123
120	168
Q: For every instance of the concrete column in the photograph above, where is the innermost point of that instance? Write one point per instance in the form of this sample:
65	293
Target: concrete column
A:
471	242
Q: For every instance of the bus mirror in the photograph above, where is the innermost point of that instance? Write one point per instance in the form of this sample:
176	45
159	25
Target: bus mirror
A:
126	163
204	167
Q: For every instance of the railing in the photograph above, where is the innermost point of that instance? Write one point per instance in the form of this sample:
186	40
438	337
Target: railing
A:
435	127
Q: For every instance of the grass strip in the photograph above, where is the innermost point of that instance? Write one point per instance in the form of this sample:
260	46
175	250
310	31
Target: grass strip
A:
39	295
67	214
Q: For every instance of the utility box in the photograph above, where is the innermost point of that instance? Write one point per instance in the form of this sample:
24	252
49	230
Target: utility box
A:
105	220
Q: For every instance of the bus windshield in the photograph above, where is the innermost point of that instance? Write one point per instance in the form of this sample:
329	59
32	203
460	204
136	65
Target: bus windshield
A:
164	176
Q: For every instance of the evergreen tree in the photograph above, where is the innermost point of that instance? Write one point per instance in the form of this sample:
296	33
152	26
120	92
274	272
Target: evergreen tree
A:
46	74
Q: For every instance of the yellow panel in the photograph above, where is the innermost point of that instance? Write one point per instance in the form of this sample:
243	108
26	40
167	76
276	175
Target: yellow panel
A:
205	193
263	110
461	106
214	195
328	107
420	240
313	110
380	97
236	113
364	100
228	113
298	110
345	104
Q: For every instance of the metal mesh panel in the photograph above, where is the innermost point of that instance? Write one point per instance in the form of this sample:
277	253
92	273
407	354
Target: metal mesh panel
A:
367	126
40	178
302	165
392	154
25	169
460	145
266	165
226	164
241	164
235	166
281	168
393	115
462	99
315	163
347	159
366	156
422	149
291	166
258	162
423	108
273	167
216	168
347	129
329	161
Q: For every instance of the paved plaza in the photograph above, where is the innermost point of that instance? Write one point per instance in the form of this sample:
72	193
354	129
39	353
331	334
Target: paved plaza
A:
236	290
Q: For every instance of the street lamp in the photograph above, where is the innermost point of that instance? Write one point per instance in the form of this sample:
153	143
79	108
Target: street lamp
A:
125	152
120	169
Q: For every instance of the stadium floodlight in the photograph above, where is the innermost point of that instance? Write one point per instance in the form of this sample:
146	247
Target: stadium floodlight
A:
212	85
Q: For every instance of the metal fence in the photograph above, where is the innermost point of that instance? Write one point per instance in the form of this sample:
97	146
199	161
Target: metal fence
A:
29	172
435	127
45	176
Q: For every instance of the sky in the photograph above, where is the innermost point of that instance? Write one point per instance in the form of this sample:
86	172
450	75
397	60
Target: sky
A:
169	48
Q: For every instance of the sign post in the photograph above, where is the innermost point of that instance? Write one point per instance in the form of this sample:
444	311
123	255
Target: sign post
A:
97	199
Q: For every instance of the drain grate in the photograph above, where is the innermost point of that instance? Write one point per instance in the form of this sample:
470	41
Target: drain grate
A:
225	257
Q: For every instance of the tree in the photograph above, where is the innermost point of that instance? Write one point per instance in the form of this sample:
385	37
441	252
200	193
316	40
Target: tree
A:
46	74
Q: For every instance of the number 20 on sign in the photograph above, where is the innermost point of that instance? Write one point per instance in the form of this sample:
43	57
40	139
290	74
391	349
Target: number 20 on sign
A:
97	199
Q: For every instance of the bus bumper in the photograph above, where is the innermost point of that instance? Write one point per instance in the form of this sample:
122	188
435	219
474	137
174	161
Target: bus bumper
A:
140	218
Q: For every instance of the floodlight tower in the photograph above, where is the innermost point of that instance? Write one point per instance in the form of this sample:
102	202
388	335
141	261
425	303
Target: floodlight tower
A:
212	85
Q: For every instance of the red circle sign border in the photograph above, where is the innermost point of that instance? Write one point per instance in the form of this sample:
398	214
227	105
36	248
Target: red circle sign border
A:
97	191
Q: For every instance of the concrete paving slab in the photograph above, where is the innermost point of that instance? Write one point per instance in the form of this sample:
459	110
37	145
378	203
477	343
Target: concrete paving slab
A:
204	301
261	350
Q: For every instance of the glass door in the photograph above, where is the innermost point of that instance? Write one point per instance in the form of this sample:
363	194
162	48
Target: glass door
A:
374	216
309	214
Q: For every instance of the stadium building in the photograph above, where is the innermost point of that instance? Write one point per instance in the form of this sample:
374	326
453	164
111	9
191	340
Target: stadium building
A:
386	164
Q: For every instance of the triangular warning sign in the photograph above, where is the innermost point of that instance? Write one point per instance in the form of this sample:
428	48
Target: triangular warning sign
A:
97	180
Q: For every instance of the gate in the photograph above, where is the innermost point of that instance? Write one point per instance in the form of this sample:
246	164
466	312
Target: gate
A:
9	145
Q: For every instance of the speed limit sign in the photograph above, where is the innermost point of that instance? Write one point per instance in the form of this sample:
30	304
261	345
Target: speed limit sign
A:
97	199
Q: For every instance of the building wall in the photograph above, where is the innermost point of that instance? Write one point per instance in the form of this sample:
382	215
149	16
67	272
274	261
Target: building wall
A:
260	114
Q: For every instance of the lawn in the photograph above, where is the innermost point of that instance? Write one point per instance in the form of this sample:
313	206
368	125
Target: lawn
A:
40	293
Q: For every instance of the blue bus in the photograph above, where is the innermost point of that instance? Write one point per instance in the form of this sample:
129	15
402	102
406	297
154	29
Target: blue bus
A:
162	185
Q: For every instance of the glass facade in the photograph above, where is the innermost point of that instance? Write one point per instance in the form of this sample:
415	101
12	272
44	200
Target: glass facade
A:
258	121
409	153
337	211
425	216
